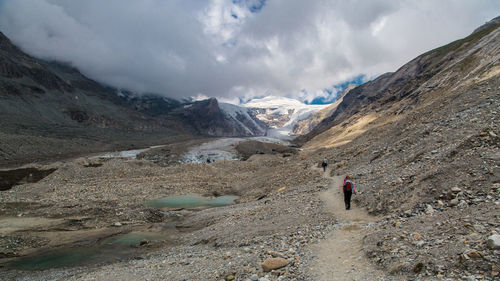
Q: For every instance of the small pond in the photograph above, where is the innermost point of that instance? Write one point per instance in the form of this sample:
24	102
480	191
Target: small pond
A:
187	202
110	249
118	247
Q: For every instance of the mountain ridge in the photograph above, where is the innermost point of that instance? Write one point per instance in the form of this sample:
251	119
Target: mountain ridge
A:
407	81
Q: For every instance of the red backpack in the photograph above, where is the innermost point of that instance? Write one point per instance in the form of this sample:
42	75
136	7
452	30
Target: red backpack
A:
347	185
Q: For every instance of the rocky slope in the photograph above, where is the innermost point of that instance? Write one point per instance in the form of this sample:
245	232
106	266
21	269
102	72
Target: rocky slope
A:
423	146
448	68
52	110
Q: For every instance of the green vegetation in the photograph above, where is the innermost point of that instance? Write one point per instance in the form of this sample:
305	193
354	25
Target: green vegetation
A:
453	46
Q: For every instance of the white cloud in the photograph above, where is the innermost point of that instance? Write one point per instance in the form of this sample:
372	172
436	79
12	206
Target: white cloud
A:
378	25
228	49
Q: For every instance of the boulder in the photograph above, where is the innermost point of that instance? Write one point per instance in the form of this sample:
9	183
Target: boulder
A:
417	236
453	202
493	241
274	263
462	204
474	254
440	204
495	270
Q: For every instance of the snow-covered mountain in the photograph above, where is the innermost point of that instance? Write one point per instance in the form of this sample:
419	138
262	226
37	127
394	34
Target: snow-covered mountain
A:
243	118
275	117
280	114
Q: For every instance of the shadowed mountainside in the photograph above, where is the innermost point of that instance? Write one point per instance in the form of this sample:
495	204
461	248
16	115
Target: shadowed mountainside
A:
50	110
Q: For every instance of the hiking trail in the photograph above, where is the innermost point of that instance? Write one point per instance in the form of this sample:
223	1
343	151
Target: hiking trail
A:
340	255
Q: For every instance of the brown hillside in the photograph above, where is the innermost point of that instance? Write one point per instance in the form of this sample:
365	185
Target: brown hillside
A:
423	146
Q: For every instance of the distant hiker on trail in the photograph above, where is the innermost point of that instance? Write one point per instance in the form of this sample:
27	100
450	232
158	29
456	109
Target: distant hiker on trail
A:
324	164
348	189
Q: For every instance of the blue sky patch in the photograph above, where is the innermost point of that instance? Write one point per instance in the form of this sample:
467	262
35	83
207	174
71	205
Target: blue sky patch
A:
253	5
332	92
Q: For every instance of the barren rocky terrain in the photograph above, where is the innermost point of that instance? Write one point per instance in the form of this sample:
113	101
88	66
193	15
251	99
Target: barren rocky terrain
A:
288	210
429	162
278	213
421	144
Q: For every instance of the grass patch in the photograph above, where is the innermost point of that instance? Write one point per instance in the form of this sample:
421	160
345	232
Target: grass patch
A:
453	46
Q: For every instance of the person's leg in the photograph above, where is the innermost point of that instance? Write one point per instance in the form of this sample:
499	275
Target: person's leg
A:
348	200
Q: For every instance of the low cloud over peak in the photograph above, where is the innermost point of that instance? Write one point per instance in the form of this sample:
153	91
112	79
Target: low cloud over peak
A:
237	49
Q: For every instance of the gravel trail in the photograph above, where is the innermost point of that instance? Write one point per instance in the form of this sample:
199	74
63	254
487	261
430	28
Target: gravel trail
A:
340	256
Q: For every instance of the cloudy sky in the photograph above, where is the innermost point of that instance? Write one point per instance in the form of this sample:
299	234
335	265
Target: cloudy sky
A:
241	48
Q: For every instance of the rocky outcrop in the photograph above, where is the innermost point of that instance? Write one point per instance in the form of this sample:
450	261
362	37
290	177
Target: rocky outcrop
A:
10	178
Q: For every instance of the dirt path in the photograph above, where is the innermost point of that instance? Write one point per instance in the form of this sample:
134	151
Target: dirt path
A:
340	256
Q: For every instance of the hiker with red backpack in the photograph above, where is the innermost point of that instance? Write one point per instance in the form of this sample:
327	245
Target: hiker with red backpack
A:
348	189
